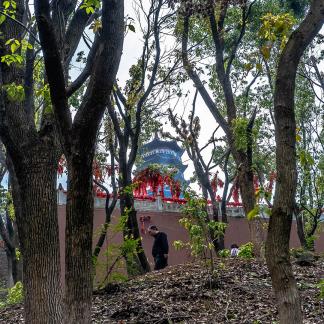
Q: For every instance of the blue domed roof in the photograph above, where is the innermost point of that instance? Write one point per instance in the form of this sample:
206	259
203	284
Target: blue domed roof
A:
157	143
165	153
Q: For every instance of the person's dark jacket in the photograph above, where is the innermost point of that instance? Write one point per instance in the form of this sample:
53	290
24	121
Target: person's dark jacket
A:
160	245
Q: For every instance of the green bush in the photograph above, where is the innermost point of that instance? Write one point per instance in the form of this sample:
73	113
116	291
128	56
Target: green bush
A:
15	295
202	231
310	241
321	289
246	251
224	253
296	252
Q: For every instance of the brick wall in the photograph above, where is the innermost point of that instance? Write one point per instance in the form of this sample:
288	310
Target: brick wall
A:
168	222
237	232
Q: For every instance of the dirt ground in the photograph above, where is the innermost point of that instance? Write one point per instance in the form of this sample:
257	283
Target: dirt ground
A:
239	292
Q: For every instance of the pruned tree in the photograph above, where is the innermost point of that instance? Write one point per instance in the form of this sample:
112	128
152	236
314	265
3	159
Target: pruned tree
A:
277	244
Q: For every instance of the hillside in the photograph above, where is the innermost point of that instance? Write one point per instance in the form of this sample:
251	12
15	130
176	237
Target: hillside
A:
239	293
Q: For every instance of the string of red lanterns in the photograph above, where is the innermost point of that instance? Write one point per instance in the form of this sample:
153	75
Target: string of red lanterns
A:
156	181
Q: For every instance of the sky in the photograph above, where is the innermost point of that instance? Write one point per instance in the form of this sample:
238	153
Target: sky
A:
131	53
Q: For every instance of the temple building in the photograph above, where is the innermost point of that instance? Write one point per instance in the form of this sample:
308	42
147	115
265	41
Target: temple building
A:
166	154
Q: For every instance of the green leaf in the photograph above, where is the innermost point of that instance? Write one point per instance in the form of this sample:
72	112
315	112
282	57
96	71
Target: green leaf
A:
2	19
265	51
248	66
89	10
259	67
9	41
253	213
6	4
305	159
13	47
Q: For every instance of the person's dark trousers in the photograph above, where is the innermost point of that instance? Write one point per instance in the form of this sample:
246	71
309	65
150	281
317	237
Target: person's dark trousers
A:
160	262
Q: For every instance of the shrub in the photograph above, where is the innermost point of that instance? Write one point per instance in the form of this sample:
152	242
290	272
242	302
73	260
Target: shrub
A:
246	251
296	252
202	231
224	253
310	241
15	295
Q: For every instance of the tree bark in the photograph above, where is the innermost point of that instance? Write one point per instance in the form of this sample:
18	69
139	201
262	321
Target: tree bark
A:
277	244
219	242
79	229
11	253
245	179
38	233
108	213
300	230
225	190
127	208
33	154
299	219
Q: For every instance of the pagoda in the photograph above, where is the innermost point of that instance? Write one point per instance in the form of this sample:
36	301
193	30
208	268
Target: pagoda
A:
166	154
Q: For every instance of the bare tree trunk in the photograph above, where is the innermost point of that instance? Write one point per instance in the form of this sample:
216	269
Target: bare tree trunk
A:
277	245
79	228
218	241
108	211
38	233
10	280
245	176
300	230
11	252
278	260
242	158
303	201
127	207
225	190
9	249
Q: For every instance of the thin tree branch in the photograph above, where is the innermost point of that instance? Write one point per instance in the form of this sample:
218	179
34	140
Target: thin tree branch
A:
196	80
